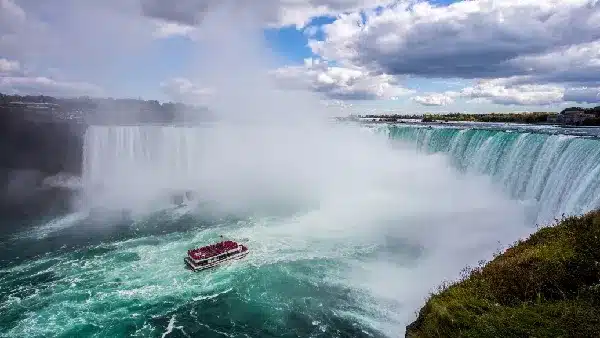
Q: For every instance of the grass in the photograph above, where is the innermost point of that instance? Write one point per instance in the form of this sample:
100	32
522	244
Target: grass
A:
545	286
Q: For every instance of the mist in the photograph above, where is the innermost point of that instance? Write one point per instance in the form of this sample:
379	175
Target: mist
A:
234	63
268	141
336	190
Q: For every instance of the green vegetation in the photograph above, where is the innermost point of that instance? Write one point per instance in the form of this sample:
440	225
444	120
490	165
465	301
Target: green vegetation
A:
545	286
493	117
534	117
569	116
98	110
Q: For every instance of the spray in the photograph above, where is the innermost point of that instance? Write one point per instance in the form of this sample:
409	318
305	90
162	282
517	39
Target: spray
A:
335	187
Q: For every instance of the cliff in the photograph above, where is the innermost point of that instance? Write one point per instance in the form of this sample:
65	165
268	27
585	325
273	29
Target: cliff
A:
42	136
545	286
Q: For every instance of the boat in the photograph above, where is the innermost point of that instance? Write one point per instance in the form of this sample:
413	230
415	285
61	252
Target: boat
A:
209	256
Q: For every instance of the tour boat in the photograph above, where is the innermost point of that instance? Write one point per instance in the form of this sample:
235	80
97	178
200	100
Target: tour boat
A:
212	255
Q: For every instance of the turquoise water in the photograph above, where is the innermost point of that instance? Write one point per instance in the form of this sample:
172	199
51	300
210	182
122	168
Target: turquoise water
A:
134	284
348	235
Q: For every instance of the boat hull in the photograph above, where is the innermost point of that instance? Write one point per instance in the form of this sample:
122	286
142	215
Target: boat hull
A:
195	267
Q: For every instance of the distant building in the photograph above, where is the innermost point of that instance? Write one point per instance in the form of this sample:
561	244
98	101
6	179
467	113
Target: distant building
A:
33	105
33	111
570	117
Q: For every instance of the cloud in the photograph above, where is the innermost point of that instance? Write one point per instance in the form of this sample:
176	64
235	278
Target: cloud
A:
17	30
468	39
72	35
504	91
8	66
15	80
184	12
340	82
575	65
275	13
46	45
497	92
168	29
183	90
583	95
11	15
518	51
87	40
434	99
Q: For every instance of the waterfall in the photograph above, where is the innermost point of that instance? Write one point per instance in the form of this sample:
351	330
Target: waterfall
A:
559	173
125	165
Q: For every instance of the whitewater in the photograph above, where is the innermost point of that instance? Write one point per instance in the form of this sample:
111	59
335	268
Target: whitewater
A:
349	227
556	174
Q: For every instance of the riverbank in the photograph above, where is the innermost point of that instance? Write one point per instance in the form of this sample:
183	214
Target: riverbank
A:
575	116
547	285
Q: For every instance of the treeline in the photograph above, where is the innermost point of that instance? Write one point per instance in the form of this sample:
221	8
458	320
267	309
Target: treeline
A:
571	116
100	110
536	117
594	110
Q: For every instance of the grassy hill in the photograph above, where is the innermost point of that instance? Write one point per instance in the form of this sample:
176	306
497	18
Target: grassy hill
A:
545	286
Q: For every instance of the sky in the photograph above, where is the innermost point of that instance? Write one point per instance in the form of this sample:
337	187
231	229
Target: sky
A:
368	56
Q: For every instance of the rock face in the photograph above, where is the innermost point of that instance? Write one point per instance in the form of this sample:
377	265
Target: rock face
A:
546	286
49	147
42	136
30	153
25	195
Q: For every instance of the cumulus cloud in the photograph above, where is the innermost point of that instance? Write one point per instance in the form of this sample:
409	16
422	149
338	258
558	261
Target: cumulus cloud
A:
168	29
497	92
22	36
504	91
467	39
583	95
340	82
183	90
276	13
526	51
72	35
8	66
11	15
186	12
84	39
434	99
577	65
17	30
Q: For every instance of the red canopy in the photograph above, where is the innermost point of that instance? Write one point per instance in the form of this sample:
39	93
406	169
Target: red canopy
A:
212	250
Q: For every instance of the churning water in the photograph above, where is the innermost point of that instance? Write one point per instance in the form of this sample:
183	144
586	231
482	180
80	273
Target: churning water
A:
349	227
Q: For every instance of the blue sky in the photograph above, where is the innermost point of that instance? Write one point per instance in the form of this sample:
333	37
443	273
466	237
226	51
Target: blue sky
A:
291	43
478	55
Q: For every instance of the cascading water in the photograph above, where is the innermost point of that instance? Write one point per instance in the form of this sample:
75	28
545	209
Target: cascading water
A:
348	232
347	235
128	166
559	173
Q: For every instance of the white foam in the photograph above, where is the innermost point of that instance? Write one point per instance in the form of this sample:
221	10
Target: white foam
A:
55	225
